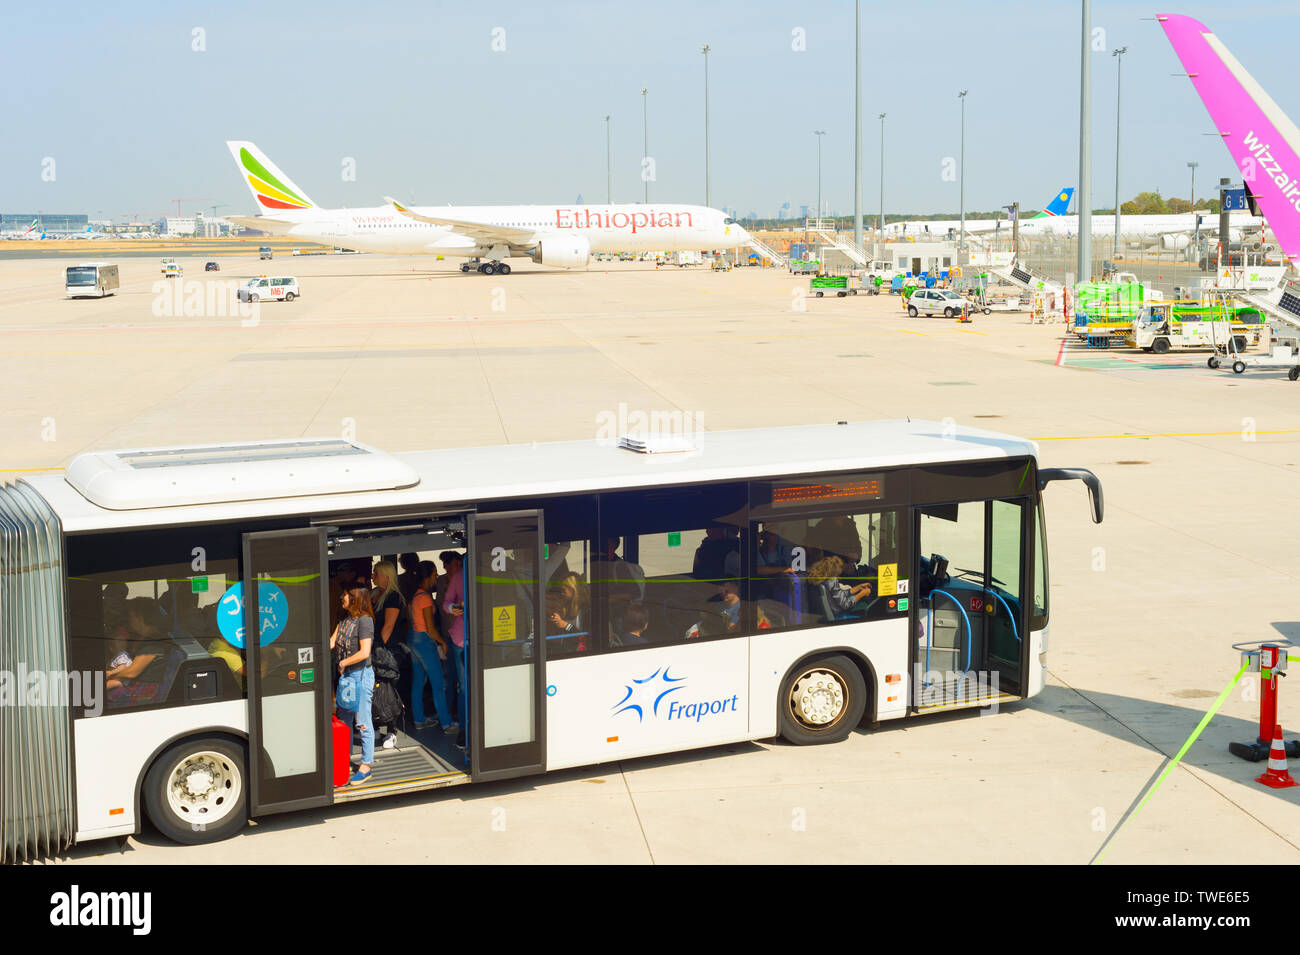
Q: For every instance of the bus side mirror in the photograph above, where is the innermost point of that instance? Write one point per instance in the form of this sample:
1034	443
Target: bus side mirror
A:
1090	480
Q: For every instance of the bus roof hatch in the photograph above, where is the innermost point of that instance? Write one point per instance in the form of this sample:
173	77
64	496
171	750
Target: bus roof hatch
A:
248	471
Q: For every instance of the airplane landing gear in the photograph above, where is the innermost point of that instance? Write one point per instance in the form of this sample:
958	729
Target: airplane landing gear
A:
503	268
488	268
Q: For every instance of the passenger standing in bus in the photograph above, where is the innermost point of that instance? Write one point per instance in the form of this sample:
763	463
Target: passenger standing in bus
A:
391	625
408	581
355	634
452	603
428	649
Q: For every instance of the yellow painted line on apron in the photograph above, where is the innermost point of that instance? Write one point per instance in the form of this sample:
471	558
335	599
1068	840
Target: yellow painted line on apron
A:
908	331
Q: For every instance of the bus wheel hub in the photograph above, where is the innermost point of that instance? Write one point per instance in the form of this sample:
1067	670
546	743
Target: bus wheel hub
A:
198	783
818	698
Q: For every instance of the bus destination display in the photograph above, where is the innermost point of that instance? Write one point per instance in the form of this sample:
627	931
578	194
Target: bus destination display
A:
848	489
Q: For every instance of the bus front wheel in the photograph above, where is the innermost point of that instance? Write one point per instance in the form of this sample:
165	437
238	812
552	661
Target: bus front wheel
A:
822	700
197	790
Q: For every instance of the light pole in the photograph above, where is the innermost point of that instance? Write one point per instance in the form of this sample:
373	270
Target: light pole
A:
1119	76
609	161
880	224
819	133
1083	263
645	147
857	125
961	244
1192	166
705	50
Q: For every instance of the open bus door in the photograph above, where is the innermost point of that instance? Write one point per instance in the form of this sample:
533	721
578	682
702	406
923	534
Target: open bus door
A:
287	659
507	647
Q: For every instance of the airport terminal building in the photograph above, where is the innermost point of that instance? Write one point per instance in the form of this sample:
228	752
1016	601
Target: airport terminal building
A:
48	221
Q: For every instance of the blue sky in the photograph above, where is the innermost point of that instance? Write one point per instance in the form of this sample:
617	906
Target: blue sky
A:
415	94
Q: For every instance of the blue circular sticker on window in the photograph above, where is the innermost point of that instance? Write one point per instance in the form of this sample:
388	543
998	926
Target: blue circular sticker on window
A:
272	614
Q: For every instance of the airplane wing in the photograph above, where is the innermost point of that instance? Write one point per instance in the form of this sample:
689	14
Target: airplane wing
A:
481	232
261	223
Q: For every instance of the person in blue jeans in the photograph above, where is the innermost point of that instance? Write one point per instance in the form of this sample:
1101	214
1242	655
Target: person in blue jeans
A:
452	603
353	636
428	651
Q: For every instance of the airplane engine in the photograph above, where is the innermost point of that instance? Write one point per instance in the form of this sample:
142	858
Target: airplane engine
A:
1178	241
565	252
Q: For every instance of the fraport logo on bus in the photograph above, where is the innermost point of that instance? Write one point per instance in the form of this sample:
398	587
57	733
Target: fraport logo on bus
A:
650	696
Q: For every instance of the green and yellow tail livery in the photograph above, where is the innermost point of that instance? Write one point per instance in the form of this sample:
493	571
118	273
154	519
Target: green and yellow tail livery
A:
273	190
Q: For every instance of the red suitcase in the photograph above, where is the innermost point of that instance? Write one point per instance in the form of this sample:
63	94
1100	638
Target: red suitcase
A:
342	752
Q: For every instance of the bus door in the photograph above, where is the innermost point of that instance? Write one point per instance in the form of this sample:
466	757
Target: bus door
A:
970	615
287	660
507	649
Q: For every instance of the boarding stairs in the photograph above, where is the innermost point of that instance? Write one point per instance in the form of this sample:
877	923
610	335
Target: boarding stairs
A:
1281	305
852	251
767	252
1025	277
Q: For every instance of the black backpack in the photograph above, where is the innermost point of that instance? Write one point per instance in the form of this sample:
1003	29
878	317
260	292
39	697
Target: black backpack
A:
385	663
386	707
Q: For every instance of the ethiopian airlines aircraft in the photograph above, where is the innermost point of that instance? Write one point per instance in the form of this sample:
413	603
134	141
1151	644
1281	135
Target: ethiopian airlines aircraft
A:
564	236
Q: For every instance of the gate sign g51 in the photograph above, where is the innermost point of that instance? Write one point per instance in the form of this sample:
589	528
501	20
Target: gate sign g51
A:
272	613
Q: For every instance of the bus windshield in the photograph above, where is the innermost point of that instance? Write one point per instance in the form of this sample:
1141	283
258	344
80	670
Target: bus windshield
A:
82	275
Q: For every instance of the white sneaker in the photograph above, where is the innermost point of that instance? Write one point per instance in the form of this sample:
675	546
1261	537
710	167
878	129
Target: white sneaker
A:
390	741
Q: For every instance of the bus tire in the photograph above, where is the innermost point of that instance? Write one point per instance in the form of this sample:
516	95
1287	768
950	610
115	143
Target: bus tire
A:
820	294
289	296
197	790
822	700
1293	374
911	311
1160	346
1241	343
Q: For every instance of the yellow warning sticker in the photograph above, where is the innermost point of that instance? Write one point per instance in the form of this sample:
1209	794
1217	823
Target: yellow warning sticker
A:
888	580
503	623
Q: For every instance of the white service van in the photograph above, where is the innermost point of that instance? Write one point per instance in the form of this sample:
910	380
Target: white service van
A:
263	288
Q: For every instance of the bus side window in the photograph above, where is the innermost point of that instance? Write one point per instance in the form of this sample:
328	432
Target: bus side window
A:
140	625
672	564
826	568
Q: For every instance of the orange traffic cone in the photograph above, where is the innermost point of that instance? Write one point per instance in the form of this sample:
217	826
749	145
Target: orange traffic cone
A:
1277	776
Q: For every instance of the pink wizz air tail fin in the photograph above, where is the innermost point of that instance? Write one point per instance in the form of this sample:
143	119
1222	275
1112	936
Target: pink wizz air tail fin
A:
1263	141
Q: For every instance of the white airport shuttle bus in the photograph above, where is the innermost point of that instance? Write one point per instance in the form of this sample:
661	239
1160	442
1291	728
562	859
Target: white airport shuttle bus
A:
554	235
618	603
91	278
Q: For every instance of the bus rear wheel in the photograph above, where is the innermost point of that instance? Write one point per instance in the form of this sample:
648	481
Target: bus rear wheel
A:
822	700
197	790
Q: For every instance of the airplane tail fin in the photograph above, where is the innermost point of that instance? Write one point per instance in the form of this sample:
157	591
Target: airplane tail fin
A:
273	191
1263	141
1059	205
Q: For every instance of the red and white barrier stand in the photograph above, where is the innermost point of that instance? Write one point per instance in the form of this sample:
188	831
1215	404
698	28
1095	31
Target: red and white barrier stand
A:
1277	776
1269	661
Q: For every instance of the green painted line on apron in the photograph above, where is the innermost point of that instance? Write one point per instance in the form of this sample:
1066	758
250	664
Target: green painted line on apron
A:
1205	720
